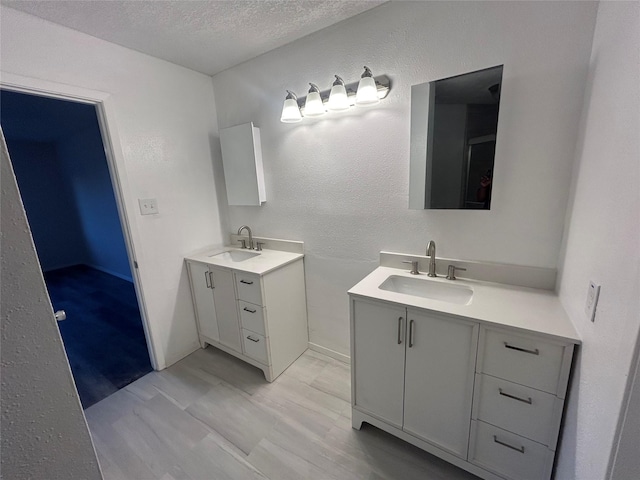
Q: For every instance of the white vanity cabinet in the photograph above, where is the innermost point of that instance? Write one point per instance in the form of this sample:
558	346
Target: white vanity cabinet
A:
521	382
414	370
485	398
259	318
215	304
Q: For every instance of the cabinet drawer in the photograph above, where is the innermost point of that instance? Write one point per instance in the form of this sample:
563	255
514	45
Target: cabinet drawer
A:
255	346
518	409
252	317
523	359
248	288
509	455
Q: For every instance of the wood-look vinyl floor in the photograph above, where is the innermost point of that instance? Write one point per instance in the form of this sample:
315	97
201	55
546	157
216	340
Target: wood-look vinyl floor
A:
212	416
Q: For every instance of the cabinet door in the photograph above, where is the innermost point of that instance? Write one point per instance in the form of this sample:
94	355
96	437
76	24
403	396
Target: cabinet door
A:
441	355
203	300
226	311
378	359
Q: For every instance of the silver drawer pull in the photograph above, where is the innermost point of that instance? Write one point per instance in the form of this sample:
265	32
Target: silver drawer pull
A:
521	449
246	283
411	322
399	330
206	279
249	337
523	400
520	349
249	310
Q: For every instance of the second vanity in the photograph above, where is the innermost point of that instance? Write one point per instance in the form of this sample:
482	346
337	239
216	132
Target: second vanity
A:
252	304
473	372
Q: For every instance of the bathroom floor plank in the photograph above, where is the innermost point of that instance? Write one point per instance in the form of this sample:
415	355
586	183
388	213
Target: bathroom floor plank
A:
213	416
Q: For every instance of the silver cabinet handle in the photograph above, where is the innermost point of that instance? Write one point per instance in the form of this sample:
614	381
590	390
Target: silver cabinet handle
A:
249	310
207	279
246	283
60	315
521	449
411	322
508	395
520	349
399	330
249	337
211	279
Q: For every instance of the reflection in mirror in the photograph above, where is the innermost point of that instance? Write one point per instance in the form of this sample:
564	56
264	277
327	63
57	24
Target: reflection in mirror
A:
454	122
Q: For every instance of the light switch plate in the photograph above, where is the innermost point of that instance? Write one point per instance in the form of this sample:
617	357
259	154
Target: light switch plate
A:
148	206
592	301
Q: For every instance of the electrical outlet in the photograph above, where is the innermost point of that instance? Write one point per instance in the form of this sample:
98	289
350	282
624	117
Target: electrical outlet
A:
592	301
148	206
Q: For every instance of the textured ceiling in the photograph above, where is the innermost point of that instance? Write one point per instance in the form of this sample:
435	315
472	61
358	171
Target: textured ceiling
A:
206	36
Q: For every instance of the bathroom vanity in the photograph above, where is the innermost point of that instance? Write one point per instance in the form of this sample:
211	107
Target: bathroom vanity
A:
252	304
473	372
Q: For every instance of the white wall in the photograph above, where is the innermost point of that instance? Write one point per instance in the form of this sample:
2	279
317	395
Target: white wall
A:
165	116
44	434
602	241
340	183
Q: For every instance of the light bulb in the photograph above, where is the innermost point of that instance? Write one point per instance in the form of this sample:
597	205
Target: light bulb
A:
338	99
313	106
291	110
367	93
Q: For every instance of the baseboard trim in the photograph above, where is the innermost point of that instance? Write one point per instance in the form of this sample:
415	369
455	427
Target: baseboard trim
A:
176	357
341	357
110	272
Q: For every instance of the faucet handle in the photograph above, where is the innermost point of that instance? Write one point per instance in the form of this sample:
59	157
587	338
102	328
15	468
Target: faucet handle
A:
243	242
259	246
414	266
451	272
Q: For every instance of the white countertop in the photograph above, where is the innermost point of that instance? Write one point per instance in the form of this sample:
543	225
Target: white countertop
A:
265	262
496	304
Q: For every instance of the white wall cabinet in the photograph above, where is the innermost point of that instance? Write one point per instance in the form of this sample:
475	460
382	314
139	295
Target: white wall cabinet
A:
261	319
485	398
242	163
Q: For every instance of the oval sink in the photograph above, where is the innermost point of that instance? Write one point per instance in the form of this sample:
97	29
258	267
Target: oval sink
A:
235	255
418	287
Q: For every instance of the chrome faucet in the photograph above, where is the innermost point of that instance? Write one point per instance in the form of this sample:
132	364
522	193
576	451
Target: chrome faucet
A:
250	236
431	253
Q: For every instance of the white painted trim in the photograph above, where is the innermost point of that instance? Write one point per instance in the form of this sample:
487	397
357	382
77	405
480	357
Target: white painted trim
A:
341	357
115	160
194	347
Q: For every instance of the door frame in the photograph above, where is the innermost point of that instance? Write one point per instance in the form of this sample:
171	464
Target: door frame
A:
105	112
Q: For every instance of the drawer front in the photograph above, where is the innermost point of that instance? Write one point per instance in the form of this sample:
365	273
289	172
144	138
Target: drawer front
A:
518	409
248	288
255	346
252	317
526	360
509	455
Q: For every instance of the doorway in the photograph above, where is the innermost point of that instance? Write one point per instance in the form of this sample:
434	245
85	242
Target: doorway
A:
58	156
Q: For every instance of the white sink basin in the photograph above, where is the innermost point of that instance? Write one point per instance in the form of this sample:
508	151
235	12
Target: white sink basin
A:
419	287
235	255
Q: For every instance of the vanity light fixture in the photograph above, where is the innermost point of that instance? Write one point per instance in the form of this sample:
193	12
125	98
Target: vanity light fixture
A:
338	99
341	97
367	93
291	110
313	106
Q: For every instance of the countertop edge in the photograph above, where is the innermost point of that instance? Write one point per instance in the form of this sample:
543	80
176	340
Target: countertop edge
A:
203	258
364	288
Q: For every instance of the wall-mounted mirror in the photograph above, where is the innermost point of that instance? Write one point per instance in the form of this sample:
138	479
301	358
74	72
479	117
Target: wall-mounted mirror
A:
454	122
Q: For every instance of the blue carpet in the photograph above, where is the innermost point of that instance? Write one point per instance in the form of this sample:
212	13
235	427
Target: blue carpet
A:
103	334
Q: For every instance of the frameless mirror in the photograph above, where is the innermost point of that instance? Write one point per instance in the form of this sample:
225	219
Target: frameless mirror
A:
454	122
